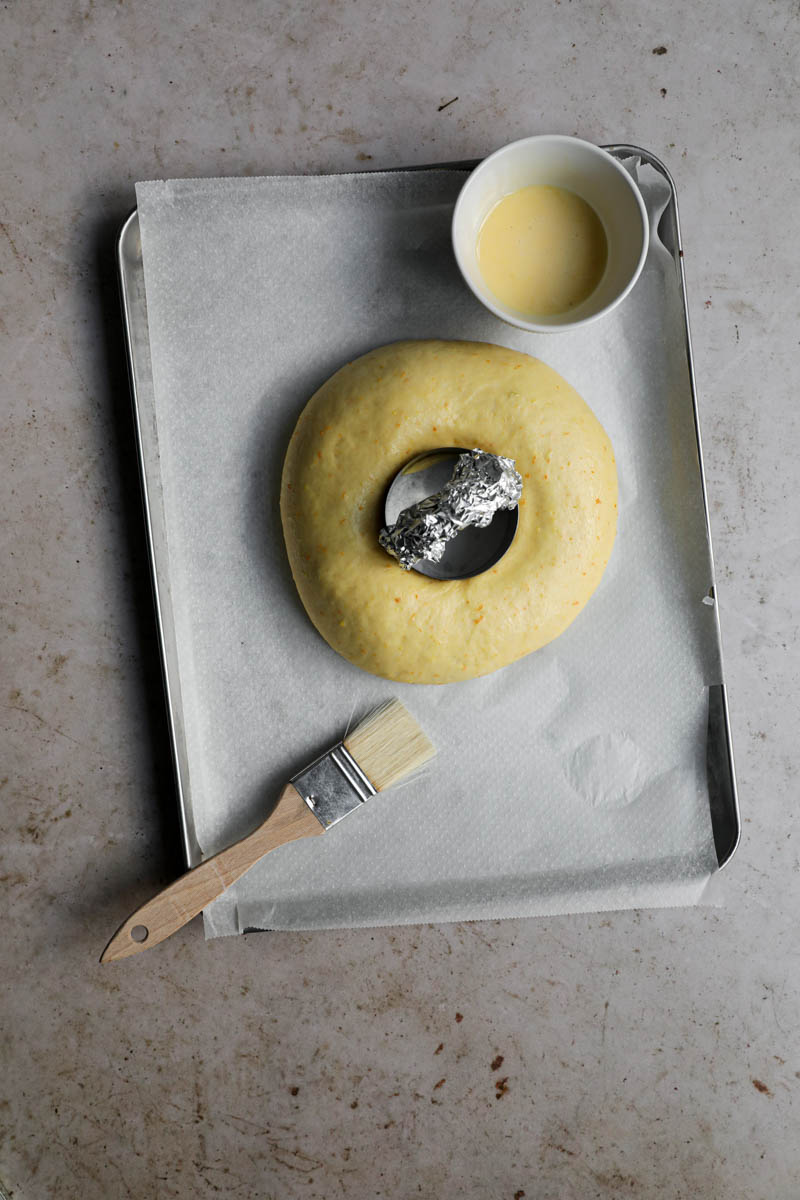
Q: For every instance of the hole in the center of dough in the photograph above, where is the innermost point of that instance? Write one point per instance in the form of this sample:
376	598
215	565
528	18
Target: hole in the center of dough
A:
473	550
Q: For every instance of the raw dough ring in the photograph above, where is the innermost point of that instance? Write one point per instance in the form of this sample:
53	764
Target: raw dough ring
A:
369	419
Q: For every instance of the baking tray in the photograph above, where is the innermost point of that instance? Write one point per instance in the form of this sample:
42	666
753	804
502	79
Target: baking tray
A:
723	800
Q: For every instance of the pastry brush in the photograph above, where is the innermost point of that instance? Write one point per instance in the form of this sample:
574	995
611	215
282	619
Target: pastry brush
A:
381	751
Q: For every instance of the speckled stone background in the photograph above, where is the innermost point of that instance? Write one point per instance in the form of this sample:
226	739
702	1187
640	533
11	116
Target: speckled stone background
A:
651	1054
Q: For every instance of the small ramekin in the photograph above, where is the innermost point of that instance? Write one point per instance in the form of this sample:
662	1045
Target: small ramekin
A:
582	168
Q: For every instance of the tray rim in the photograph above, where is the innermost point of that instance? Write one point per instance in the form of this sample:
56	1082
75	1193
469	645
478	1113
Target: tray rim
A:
724	807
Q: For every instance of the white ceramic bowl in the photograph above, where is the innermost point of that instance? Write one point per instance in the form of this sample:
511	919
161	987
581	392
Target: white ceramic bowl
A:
590	173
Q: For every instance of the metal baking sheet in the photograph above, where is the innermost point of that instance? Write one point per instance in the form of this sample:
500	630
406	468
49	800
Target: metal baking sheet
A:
723	800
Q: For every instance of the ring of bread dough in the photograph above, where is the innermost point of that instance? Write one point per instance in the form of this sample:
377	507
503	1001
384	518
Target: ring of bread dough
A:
363	425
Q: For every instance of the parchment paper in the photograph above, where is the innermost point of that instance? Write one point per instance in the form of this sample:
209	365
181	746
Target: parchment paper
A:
573	780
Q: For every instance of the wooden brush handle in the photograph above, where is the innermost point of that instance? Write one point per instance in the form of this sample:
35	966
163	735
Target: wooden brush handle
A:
171	909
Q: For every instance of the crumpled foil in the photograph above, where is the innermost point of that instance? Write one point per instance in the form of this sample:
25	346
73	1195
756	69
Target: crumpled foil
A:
481	484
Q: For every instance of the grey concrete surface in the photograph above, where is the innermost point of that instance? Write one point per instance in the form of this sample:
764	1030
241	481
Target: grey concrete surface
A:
647	1054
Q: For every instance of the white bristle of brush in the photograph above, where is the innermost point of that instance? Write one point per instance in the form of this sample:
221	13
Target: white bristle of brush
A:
388	745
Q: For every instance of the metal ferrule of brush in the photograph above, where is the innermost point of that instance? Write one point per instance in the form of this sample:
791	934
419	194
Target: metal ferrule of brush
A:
333	786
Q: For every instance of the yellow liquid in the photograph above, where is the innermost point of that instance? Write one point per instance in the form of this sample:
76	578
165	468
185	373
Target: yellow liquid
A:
542	250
